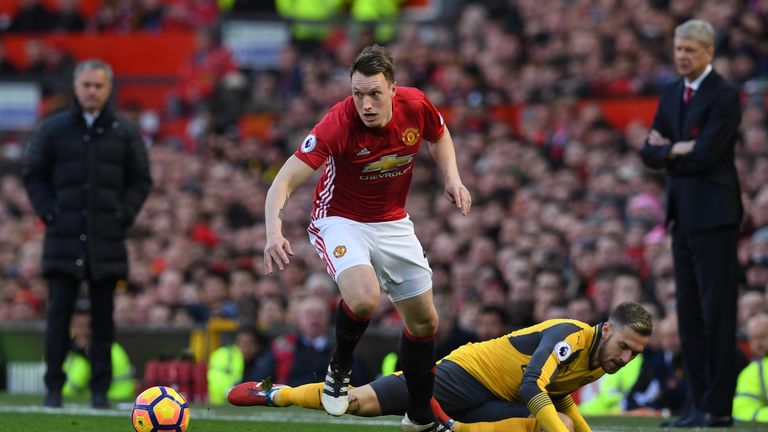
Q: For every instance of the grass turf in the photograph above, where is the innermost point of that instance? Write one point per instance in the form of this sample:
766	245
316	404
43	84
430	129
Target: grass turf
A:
24	413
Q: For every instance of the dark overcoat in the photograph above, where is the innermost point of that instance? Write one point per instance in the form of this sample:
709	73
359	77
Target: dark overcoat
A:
88	185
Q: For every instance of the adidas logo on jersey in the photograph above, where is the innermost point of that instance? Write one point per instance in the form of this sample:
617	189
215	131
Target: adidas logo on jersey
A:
364	152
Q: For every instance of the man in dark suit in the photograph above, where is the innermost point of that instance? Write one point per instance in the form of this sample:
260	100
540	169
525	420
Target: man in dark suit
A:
693	138
87	175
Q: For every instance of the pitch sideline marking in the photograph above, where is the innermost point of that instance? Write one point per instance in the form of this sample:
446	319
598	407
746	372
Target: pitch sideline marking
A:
294	417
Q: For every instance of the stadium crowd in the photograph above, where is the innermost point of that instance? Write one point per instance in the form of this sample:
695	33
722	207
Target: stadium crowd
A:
566	220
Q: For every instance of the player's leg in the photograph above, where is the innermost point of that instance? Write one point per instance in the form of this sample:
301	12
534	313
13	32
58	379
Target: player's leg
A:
406	277
359	295
494	409
345	247
417	354
528	424
363	401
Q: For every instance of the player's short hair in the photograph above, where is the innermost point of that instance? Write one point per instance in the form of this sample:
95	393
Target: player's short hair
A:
634	316
373	60
94	64
699	30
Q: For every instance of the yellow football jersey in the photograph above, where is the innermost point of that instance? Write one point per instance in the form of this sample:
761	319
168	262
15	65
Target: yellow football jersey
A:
539	366
554	355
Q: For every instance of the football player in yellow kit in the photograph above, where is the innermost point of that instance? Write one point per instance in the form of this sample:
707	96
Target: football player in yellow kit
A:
520	381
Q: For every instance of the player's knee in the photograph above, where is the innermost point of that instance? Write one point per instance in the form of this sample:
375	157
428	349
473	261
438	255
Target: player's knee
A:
362	306
567	421
423	326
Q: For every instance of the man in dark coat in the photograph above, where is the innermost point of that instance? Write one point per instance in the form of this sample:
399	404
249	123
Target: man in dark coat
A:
693	138
87	175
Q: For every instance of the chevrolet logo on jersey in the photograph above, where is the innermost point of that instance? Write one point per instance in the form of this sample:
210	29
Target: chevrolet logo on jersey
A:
388	163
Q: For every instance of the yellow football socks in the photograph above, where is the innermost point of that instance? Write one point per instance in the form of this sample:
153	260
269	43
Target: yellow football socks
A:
511	424
305	396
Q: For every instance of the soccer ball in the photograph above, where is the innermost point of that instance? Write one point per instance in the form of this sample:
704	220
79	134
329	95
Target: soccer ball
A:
160	409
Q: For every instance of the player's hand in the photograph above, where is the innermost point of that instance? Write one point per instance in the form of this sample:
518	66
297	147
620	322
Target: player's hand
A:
655	138
278	249
458	195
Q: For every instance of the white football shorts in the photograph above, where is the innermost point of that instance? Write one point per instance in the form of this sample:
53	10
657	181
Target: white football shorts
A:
391	248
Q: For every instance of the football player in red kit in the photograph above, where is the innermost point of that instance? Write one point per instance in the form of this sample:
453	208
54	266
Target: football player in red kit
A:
368	145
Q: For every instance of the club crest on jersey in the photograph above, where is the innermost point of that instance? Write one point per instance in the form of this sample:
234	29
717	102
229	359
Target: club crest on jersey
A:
410	136
563	350
339	251
309	144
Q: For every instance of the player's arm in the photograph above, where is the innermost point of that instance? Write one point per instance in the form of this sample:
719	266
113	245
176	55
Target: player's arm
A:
445	157
567	406
292	175
541	370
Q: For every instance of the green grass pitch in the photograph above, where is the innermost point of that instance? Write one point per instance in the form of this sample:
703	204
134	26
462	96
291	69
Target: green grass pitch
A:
24	413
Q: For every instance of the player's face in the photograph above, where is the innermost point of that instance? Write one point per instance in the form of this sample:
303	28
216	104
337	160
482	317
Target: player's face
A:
691	57
373	98
92	88
618	346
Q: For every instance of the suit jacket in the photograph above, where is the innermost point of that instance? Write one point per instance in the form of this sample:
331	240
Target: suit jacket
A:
702	187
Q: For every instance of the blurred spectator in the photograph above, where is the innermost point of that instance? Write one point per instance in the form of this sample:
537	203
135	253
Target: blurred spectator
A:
113	15
492	322
582	308
302	354
67	17
6	66
149	15
751	302
750	404
266	8
380	15
661	383
200	74
216	299
77	366
309	20
48	58
627	287
449	334
32	16
607	395
271	316
248	358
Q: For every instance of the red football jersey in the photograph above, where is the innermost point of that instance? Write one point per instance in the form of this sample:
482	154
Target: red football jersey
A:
368	170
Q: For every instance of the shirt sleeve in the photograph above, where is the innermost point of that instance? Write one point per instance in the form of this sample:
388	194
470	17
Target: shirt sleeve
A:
434	124
324	139
556	348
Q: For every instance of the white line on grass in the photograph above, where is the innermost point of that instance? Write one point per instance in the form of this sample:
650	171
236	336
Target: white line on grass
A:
292	417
